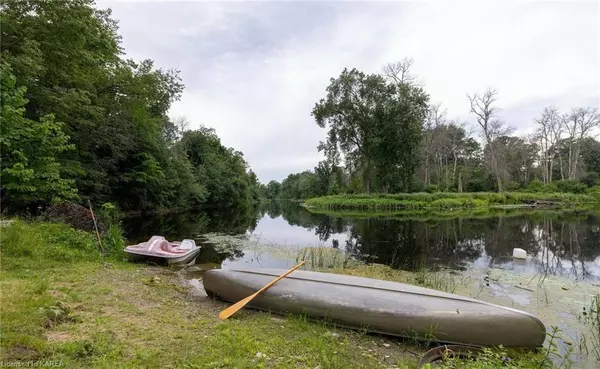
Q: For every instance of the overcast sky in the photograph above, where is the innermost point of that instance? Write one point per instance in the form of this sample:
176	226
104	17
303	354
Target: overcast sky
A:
254	70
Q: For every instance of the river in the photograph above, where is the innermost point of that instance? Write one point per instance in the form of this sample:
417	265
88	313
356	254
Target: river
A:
559	243
556	282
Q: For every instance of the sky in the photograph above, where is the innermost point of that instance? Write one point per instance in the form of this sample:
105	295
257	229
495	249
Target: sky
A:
253	71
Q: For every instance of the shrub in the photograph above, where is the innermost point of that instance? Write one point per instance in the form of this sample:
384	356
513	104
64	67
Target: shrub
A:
536	186
73	214
512	186
432	188
595	192
591	179
570	186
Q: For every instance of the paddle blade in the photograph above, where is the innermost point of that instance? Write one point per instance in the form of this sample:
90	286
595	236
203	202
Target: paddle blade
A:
235	307
240	304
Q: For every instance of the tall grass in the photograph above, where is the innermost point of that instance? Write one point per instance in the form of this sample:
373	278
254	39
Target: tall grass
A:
47	241
41	242
326	257
445	200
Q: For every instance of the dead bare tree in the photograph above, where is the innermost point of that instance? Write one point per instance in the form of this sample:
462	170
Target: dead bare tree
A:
399	71
578	124
436	116
548	132
485	109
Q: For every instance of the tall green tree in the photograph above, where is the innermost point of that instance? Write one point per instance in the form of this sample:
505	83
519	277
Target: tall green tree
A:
375	125
29	171
221	170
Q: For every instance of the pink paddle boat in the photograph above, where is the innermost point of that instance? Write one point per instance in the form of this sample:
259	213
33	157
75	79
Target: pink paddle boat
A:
159	249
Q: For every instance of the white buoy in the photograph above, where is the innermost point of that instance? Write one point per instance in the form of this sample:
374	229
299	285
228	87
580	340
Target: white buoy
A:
519	253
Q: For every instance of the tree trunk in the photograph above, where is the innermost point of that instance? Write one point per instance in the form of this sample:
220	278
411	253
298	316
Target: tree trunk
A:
426	171
460	185
562	172
495	169
454	168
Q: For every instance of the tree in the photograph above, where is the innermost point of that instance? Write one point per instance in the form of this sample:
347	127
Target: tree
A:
578	123
484	108
399	71
517	156
29	170
349	111
222	170
273	190
375	125
434	119
549	128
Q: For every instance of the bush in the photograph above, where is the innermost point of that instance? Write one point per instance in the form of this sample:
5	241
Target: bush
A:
595	192
536	186
512	186
432	188
75	215
570	186
591	179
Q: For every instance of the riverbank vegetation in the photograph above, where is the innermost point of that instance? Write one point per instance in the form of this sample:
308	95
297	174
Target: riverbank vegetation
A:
384	135
80	121
449	201
64	303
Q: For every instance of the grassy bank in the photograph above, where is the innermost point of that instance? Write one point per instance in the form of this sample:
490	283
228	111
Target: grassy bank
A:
64	303
438	214
449	201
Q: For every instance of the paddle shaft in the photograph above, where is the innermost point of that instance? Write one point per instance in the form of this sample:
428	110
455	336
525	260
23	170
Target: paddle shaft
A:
240	304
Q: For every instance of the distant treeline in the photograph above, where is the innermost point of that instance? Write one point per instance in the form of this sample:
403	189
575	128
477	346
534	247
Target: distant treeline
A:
80	122
385	136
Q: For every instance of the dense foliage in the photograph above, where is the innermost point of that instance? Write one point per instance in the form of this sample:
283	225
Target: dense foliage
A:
375	125
81	122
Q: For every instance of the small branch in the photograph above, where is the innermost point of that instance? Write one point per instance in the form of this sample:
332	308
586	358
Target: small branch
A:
96	226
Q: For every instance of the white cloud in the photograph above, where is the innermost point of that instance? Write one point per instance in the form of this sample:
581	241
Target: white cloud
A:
254	70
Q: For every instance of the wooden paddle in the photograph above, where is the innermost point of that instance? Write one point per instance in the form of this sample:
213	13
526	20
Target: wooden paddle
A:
240	304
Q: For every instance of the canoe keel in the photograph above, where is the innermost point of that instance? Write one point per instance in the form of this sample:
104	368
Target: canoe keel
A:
381	306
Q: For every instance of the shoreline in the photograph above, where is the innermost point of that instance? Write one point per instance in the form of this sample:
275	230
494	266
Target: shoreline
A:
451	201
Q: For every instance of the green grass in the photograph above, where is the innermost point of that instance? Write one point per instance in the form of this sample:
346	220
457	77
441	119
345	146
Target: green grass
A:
447	201
63	302
435	214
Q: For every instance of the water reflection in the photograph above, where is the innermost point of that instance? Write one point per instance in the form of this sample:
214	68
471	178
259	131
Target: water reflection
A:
558	243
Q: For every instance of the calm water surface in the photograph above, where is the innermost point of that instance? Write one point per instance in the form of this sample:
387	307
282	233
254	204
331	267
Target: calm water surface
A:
558	243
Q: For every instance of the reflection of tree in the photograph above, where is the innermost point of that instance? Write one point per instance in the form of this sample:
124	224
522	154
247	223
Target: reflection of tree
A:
407	244
562	243
172	226
177	226
323	225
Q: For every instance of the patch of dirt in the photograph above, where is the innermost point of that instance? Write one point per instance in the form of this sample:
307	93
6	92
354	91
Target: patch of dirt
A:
58	336
57	294
20	352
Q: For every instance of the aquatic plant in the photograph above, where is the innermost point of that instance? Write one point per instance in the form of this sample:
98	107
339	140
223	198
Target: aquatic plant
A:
591	316
326	257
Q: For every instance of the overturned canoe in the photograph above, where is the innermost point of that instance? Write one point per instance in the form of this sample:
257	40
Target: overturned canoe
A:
380	306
